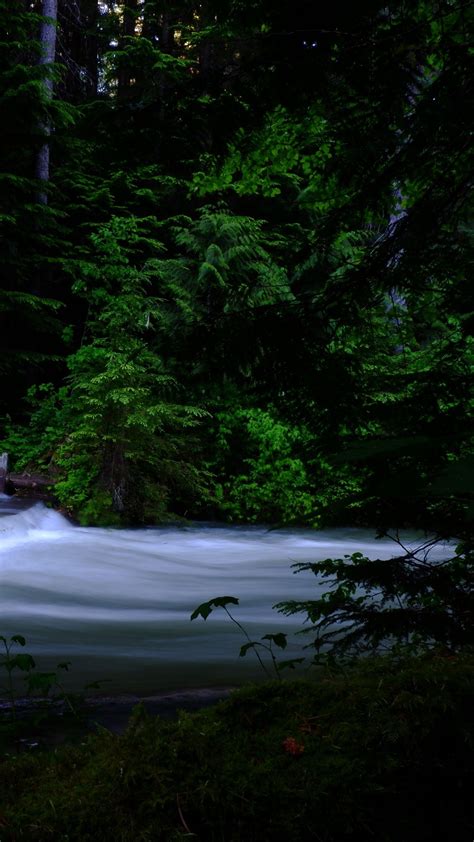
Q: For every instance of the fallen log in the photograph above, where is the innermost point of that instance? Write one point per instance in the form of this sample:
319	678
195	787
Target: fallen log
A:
34	482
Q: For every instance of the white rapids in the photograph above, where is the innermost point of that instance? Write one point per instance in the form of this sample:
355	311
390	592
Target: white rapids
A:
117	602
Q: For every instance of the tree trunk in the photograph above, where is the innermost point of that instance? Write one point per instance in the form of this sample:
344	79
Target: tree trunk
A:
130	14
205	52
78	49
48	53
91	46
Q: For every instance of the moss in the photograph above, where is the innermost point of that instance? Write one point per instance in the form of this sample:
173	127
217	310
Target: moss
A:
383	751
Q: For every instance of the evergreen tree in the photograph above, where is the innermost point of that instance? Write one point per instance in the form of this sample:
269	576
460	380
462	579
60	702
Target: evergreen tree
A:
31	235
278	202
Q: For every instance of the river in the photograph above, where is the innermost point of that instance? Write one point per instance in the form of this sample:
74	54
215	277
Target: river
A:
117	602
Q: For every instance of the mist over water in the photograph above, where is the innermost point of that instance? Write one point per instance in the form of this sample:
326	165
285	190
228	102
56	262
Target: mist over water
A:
117	602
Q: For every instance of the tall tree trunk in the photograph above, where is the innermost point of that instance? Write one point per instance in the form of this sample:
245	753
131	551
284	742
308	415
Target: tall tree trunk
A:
48	53
165	32
130	14
78	48
165	47
91	49
205	52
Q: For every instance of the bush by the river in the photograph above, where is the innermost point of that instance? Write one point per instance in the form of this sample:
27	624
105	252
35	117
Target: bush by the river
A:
380	750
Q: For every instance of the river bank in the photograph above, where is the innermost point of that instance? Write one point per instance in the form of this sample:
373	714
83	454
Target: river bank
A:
379	750
46	724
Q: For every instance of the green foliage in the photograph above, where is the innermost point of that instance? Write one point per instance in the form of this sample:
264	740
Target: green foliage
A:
279	640
225	263
286	155
206	608
325	283
38	684
264	467
31	234
386	738
411	600
111	437
126	430
143	59
46	424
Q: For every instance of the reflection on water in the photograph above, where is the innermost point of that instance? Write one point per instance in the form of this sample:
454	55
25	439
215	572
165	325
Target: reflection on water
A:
116	602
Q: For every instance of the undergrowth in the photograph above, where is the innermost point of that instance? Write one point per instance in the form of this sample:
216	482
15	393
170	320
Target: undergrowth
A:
380	750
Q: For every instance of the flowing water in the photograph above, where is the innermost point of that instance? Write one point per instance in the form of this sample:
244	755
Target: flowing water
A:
117	602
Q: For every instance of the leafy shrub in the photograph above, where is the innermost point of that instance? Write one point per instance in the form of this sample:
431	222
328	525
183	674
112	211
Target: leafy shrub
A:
264	476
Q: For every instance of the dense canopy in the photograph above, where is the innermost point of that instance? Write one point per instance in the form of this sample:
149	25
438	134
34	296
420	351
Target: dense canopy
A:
235	260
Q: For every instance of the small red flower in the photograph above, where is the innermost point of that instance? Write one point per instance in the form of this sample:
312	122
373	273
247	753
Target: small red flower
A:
291	746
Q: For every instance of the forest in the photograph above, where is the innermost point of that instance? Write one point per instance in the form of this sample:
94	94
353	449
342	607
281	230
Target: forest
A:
235	257
235	287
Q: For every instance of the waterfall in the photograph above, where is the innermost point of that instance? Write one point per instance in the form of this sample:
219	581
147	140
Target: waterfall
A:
3	471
